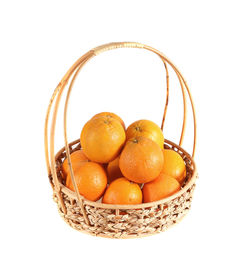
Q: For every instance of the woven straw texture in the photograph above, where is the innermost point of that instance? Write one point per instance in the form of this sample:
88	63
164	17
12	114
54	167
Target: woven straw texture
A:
127	223
115	221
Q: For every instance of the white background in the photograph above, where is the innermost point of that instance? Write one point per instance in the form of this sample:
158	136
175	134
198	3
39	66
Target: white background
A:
209	43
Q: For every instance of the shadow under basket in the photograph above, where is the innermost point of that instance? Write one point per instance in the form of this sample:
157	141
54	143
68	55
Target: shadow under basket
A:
106	220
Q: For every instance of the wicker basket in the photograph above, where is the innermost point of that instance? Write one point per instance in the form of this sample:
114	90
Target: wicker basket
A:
116	221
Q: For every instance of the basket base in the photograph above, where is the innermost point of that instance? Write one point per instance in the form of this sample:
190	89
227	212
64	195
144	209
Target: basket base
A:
133	223
102	235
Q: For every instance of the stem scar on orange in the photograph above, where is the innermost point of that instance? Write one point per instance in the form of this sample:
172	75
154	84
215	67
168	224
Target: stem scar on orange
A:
174	165
77	159
160	188
102	139
123	192
147	129
91	181
110	115
141	160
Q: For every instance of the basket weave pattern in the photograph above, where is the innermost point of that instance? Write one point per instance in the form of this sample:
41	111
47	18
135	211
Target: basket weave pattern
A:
128	223
115	221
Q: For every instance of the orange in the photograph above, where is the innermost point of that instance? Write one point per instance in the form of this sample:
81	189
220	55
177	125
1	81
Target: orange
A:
174	165
110	115
147	129
77	158
113	170
122	192
141	160
160	188
102	139
91	181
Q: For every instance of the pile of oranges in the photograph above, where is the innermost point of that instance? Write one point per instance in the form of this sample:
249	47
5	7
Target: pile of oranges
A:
124	166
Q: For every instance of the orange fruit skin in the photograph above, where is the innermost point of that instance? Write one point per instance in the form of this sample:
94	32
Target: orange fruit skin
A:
77	159
102	139
141	160
174	165
91	180
162	187
110	115
113	170
122	192
147	129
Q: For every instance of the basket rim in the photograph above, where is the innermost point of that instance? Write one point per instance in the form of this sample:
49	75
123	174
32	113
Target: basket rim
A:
190	182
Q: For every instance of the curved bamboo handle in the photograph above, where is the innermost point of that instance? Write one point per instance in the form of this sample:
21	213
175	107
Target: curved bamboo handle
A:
181	79
49	154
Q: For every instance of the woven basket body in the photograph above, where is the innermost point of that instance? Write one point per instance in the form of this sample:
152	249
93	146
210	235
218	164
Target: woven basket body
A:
115	221
131	221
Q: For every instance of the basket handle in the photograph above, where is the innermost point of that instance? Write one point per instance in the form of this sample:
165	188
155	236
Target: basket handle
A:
49	148
183	83
49	154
